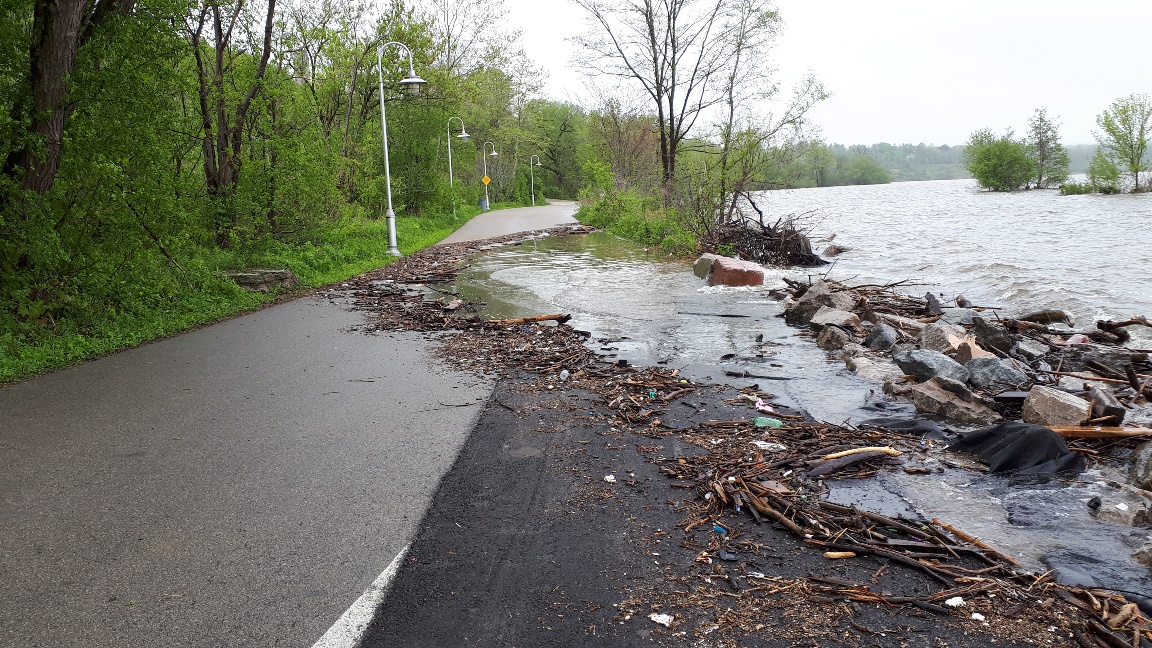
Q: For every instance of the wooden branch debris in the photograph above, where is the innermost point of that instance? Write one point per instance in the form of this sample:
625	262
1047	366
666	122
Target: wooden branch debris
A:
559	318
1099	432
884	449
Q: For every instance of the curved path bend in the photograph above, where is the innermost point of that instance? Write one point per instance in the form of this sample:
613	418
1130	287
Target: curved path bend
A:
236	485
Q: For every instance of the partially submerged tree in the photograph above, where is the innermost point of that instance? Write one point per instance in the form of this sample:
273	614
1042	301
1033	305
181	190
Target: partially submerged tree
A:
1047	154
1123	135
1103	174
998	163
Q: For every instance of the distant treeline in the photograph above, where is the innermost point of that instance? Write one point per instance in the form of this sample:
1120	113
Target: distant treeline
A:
836	164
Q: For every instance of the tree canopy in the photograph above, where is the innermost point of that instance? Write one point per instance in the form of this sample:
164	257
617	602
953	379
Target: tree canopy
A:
1123	135
998	163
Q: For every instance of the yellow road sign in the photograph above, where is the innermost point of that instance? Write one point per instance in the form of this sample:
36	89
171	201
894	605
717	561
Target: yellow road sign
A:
485	179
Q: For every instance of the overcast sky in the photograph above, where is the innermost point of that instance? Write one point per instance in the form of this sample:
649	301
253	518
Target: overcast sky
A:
910	71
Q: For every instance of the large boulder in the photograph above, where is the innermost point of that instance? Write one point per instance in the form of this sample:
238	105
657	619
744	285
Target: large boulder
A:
991	336
959	315
734	272
1049	316
1140	472
1030	349
827	316
1125	505
969	350
262	279
703	266
879	370
952	400
1048	407
833	337
818	294
928	364
882	337
903	323
986	372
942	337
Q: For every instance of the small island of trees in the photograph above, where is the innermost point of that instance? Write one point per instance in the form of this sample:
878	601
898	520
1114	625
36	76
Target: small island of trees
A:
1039	161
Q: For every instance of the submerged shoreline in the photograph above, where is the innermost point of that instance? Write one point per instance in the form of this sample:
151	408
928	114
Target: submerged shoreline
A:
480	346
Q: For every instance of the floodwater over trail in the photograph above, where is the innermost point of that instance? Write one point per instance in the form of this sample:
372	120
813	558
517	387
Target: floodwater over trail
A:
648	309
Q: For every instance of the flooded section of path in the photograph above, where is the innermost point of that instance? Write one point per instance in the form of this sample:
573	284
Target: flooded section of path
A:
648	309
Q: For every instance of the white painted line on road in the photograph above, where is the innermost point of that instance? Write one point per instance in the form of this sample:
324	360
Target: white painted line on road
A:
349	628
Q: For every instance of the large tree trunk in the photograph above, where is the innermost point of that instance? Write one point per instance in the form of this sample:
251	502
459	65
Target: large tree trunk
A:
59	27
55	39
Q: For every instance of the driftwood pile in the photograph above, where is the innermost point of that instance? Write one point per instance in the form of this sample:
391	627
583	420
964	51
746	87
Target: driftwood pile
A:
776	476
784	243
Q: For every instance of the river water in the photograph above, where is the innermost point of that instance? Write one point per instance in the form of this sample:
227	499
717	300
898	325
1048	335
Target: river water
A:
1086	254
1091	254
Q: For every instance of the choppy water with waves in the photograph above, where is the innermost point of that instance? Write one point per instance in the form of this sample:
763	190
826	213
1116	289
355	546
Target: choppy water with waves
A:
1019	251
1028	250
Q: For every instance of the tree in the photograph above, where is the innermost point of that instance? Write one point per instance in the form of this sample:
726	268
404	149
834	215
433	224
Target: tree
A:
1047	154
1123	133
676	50
1103	174
59	28
861	170
998	163
468	35
223	125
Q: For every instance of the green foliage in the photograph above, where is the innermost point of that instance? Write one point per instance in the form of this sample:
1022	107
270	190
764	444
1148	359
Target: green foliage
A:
1123	135
1103	174
998	163
861	170
125	246
1049	159
1076	188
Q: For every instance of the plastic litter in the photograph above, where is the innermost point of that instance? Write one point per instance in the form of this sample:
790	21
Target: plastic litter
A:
764	407
767	446
611	479
977	616
765	422
564	375
955	601
663	619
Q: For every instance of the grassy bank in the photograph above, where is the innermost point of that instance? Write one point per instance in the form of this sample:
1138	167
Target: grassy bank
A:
642	220
163	296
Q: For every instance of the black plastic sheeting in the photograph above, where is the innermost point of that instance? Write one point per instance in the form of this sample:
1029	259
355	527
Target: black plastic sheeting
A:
913	427
1021	448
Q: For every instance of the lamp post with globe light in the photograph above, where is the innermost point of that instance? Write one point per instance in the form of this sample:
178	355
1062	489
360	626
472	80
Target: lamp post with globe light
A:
532	174
412	84
463	135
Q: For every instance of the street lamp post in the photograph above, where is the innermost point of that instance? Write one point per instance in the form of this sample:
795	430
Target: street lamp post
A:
485	158
463	135
412	84
532	174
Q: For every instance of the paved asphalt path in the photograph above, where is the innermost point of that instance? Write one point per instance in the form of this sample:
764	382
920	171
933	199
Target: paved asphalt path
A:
509	221
237	485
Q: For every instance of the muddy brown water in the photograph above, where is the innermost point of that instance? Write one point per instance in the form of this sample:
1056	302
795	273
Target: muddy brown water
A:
648	309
